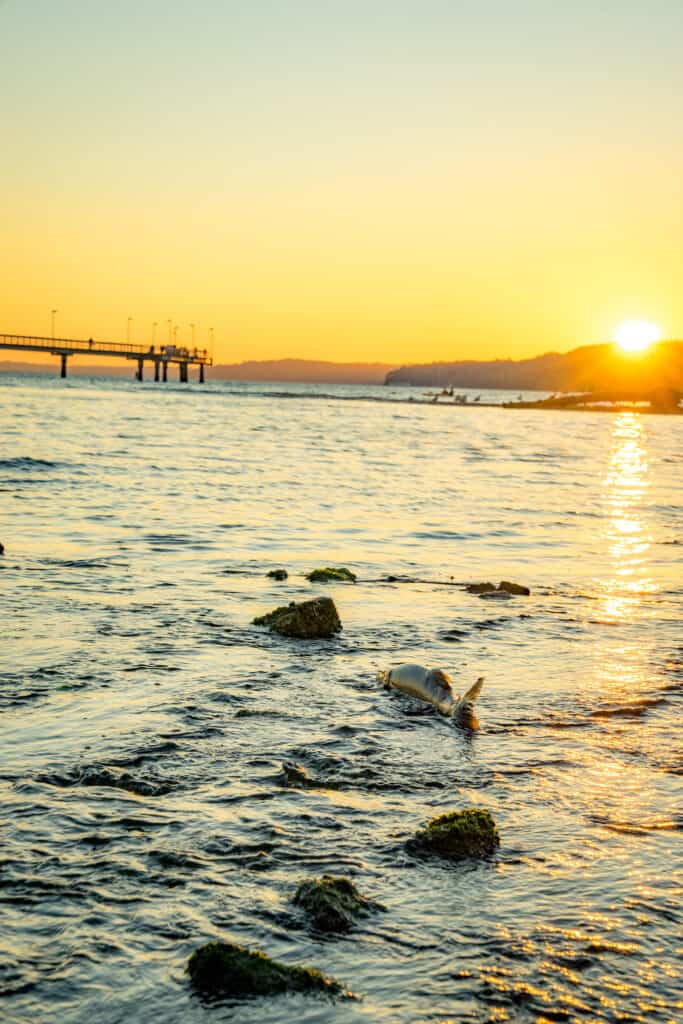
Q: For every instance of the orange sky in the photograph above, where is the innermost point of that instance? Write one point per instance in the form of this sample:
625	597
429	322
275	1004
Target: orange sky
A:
431	182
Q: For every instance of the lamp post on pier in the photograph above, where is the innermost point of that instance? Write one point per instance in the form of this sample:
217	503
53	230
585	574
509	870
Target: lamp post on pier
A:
154	332
130	321
53	314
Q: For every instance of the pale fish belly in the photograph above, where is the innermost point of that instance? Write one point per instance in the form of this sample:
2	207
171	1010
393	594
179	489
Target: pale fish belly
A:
425	684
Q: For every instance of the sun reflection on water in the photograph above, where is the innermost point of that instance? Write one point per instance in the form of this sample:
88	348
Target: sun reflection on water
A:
628	539
616	781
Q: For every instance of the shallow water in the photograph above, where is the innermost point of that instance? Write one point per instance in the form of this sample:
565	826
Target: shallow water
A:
145	722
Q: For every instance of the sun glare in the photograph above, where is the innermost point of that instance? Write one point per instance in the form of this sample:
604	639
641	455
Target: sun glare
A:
636	335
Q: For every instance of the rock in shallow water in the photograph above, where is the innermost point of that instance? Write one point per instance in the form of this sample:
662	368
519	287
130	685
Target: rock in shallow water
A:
307	620
504	587
479	588
329	575
333	904
278	574
460	834
295	776
224	969
513	588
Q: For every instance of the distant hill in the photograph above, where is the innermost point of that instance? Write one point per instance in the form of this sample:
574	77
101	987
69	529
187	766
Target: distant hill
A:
590	368
293	370
304	370
84	368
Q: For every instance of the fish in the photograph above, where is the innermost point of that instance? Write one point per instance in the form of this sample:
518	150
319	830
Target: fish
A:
435	687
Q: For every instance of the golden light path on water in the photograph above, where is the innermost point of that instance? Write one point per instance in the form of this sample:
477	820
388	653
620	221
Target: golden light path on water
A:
627	535
618	787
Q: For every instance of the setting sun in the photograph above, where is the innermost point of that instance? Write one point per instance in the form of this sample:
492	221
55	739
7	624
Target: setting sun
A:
636	335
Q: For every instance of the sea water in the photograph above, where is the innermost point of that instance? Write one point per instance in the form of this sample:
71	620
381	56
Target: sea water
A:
144	721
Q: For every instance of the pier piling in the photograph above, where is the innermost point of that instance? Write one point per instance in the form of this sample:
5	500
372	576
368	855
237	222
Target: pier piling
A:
63	373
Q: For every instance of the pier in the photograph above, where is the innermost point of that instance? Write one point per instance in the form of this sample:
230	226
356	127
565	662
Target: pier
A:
161	356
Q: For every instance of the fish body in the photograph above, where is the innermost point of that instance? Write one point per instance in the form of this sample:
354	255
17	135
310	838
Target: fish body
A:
435	687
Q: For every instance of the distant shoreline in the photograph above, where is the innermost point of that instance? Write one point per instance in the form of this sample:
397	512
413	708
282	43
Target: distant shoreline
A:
409	400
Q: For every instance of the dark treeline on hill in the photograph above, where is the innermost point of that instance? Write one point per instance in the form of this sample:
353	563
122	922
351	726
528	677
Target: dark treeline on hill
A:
590	368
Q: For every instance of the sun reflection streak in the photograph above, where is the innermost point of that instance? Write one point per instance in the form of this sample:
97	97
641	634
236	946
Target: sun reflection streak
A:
628	540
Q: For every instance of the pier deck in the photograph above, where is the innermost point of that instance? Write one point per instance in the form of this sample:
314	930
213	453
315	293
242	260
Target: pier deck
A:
160	355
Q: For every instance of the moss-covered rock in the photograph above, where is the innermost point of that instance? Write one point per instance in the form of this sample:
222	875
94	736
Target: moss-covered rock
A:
479	588
513	588
329	575
306	620
332	904
278	574
460	834
224	969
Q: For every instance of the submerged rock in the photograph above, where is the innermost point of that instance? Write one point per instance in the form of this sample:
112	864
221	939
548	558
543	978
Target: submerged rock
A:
295	776
278	574
460	834
333	904
329	575
479	588
2	548
307	620
224	969
495	595
513	588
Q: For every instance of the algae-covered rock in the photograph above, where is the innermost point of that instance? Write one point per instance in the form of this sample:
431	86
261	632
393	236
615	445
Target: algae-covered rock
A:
224	969
513	588
307	620
479	588
332	904
328	575
278	574
460	834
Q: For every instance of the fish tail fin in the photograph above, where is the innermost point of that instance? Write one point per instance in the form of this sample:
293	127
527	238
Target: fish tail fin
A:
463	712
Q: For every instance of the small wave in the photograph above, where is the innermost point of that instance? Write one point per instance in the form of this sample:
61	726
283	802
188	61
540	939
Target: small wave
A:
169	539
26	462
637	828
99	775
83	563
634	709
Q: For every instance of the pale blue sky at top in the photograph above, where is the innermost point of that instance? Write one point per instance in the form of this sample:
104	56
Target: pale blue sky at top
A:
433	113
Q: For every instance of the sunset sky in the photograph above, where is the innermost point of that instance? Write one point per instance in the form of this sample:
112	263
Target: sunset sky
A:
378	180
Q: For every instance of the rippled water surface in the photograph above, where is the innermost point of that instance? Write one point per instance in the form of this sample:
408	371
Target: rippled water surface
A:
145	722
